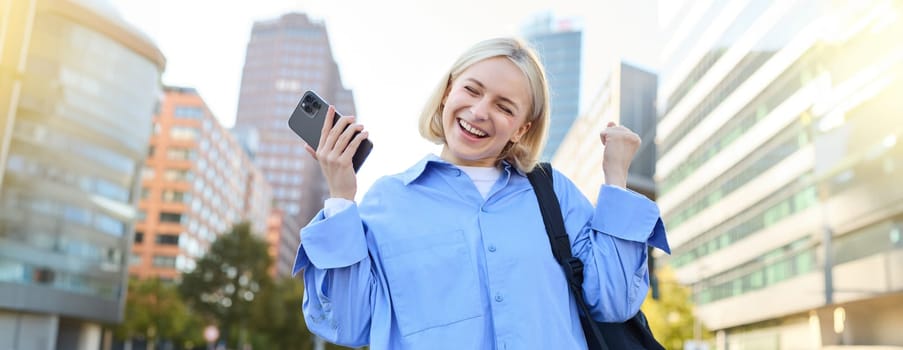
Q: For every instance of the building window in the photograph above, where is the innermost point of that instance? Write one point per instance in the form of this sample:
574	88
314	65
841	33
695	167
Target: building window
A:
177	175
176	196
147	173
180	154
186	112
139	237
167	239
111	190
164	261
183	133
42	275
109	224
77	214
170	217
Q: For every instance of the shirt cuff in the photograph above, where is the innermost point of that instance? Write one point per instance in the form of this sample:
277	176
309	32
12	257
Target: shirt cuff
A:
335	205
333	242
629	216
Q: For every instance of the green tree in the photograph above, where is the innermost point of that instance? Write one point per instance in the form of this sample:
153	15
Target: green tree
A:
228	280
155	310
278	315
671	317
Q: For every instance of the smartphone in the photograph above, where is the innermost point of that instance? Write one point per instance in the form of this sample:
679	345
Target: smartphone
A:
307	121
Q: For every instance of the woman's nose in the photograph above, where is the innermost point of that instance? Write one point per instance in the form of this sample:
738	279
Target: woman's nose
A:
480	109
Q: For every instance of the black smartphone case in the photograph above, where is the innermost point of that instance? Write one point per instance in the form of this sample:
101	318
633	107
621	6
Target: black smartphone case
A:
307	121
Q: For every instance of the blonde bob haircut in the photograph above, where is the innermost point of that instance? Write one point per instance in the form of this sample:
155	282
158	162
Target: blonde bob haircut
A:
523	154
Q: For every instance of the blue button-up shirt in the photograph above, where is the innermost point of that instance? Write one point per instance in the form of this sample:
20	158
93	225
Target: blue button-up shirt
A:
425	262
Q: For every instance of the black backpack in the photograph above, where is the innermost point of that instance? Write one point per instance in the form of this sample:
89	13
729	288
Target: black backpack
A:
631	334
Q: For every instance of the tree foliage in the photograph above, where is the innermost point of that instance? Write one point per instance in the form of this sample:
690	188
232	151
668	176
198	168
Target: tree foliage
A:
228	280
671	317
154	310
231	287
278	315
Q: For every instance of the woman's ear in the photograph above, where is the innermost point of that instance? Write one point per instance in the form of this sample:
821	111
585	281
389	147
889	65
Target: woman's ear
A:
442	103
448	85
521	131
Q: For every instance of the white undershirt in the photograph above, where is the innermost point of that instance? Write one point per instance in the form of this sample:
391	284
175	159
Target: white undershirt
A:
483	177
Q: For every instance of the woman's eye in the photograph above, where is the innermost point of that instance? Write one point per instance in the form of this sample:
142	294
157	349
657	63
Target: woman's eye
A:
470	90
506	110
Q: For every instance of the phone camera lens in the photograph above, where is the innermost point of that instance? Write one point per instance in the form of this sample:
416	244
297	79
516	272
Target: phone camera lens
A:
307	99
316	105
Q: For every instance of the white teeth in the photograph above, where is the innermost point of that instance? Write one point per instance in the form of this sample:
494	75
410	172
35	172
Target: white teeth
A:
471	128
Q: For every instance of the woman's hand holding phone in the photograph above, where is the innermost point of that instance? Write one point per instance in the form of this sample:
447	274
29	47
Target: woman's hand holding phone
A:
338	143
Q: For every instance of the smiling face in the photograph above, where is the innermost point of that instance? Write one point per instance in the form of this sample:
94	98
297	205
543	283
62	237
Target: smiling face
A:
485	108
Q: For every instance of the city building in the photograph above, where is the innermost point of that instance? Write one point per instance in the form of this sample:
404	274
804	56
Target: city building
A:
779	169
283	238
627	98
78	88
250	141
558	43
197	182
273	234
285	57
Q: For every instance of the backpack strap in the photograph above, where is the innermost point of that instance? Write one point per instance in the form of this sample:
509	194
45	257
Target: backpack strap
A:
541	179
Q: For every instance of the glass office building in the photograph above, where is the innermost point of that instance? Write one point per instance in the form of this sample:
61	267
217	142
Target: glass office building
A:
286	56
779	169
626	97
77	91
559	44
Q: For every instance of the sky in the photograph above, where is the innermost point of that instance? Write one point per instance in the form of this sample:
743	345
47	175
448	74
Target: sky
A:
391	53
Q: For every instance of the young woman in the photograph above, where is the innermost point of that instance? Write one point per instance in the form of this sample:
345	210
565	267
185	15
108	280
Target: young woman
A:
453	252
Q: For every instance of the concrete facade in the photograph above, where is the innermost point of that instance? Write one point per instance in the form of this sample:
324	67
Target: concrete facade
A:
778	167
74	128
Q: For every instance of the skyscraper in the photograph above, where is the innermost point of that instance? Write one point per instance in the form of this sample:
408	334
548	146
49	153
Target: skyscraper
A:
78	89
196	183
627	97
285	57
559	44
780	166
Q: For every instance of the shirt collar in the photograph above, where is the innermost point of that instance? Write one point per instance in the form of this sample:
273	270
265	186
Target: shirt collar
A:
509	167
414	172
419	168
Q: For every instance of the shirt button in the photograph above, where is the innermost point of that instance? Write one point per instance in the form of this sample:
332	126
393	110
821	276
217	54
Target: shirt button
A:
492	248
499	298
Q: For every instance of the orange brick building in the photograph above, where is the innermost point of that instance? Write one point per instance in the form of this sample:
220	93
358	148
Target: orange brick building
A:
197	181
